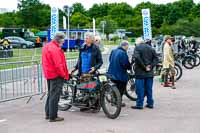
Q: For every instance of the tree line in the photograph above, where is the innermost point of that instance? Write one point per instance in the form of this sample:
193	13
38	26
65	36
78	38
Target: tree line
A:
178	18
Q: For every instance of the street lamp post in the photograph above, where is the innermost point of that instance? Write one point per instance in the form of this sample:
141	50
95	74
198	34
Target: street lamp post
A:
103	23
68	11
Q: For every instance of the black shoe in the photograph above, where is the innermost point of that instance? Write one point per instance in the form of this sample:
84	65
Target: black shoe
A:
96	109
123	105
84	109
56	119
136	107
148	106
46	117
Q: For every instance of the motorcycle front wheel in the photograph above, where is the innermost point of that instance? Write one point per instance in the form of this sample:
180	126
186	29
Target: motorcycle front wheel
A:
111	100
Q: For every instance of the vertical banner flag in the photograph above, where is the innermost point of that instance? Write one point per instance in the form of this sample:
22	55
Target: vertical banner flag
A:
54	21
147	33
93	26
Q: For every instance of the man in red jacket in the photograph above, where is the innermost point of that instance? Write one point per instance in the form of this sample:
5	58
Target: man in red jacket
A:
55	71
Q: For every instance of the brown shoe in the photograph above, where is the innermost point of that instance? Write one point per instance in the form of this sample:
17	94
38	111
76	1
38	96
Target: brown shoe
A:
167	84
56	119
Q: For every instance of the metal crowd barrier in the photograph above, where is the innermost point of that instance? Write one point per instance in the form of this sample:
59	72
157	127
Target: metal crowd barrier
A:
20	79
25	78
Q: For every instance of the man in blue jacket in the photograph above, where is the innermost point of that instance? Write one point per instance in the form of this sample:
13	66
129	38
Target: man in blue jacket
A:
90	60
119	64
90	57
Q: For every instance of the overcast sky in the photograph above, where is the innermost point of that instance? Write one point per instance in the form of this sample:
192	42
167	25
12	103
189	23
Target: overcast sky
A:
12	4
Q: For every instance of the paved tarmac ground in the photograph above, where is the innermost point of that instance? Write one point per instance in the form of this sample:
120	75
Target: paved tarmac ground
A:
176	111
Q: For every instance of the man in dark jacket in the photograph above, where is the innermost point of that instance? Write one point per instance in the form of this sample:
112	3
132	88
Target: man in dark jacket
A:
145	60
119	64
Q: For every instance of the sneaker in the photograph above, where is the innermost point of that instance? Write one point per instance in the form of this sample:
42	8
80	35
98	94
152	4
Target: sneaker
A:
148	106
56	119
136	107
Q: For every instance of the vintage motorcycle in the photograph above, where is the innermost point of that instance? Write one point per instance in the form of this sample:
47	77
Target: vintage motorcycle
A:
99	91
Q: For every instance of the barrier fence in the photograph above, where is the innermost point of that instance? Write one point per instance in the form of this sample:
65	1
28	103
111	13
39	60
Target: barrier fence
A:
25	79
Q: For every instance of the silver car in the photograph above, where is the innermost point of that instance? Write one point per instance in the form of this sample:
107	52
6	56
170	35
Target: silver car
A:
18	42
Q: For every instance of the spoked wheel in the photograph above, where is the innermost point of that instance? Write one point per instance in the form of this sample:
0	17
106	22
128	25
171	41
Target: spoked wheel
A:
111	101
178	71
132	68
189	62
197	60
130	90
65	98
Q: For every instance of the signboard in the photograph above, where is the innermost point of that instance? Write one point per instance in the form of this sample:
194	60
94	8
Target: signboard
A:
54	21
147	33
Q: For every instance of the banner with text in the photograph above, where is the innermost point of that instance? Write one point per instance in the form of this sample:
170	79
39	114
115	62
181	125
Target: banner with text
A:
147	33
54	21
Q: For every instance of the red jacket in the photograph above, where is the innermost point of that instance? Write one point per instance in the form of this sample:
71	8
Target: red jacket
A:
53	61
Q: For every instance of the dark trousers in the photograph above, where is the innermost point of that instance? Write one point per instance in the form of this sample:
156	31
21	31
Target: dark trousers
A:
54	91
144	88
121	86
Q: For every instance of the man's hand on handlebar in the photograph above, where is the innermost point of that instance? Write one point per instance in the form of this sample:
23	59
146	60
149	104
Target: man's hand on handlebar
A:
72	72
92	70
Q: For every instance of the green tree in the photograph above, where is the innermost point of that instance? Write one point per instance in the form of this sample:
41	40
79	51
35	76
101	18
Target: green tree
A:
186	27
79	20
109	27
78	7
121	11
34	14
195	11
9	20
28	11
98	10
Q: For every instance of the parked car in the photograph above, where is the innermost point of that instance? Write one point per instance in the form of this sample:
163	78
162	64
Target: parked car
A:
18	42
23	33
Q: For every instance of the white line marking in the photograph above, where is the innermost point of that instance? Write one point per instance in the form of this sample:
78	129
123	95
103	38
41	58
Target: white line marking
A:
3	120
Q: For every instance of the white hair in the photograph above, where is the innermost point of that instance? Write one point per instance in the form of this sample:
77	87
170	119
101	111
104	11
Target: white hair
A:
90	35
139	41
97	38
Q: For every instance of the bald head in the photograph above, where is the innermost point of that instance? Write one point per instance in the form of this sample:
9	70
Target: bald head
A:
124	44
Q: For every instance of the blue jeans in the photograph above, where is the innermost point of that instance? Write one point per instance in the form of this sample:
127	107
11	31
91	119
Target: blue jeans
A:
144	88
